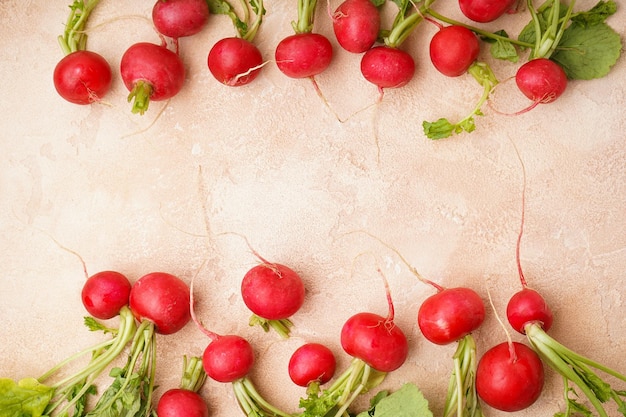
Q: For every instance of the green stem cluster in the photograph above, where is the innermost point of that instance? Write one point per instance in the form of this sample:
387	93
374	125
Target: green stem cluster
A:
546	41
245	25
462	399
306	16
194	375
74	38
282	326
252	403
579	371
405	22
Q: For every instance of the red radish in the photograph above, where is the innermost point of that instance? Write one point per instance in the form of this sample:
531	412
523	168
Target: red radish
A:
235	61
162	299
356	24
303	55
185	401
453	49
151	73
509	377
312	363
541	80
387	67
450	314
81	76
484	11
105	293
528	306
180	18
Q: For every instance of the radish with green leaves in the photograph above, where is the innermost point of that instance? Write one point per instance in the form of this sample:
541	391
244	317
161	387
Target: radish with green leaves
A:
236	61
184	401
81	76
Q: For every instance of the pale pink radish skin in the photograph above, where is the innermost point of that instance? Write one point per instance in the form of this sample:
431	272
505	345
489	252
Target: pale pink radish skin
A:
541	80
510	377
303	55
180	18
453	49
163	299
105	293
484	11
356	24
234	61
311	362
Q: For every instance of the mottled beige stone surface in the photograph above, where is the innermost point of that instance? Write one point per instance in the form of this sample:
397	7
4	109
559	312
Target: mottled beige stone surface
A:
270	161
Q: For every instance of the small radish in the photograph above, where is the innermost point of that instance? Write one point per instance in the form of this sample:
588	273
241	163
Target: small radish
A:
453	49
509	377
81	76
180	18
312	363
185	401
541	80
484	11
528	306
356	24
151	72
387	67
236	61
303	55
105	293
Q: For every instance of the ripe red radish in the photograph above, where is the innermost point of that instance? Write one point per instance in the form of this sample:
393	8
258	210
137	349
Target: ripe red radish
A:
312	363
105	293
387	67
235	61
81	76
528	306
180	18
541	80
484	11
453	49
162	299
303	55
151	72
509	377
185	401
356	24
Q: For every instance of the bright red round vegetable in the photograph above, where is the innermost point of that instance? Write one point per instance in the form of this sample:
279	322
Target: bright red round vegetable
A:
178	402
303	55
541	80
180	18
234	61
387	67
375	340
528	306
509	383
82	77
272	291
228	358
163	299
450	314
483	11
356	24
311	362
453	49
105	293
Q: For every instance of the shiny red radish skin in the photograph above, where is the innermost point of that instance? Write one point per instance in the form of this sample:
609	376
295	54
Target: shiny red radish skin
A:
272	291
311	362
228	358
528	306
105	293
450	314
163	299
453	49
180	18
82	77
180	402
356	24
303	55
375	340
509	383
541	80
484	11
234	61
160	68
387	67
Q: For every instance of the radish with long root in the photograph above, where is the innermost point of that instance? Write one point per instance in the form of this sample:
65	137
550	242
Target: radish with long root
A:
81	76
377	345
529	314
185	401
449	316
236	61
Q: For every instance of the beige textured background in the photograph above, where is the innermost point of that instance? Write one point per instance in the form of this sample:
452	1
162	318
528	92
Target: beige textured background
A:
271	162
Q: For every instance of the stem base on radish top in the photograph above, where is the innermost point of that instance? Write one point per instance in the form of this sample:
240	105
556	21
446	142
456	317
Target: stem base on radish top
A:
282	326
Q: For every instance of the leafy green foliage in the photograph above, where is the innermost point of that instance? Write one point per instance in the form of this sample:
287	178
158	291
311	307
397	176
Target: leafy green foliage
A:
26	398
408	401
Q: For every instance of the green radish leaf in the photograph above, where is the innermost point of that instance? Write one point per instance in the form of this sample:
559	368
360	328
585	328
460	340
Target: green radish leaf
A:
26	398
597	14
408	401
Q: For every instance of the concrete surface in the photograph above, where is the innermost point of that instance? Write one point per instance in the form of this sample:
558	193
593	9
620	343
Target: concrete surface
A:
271	162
